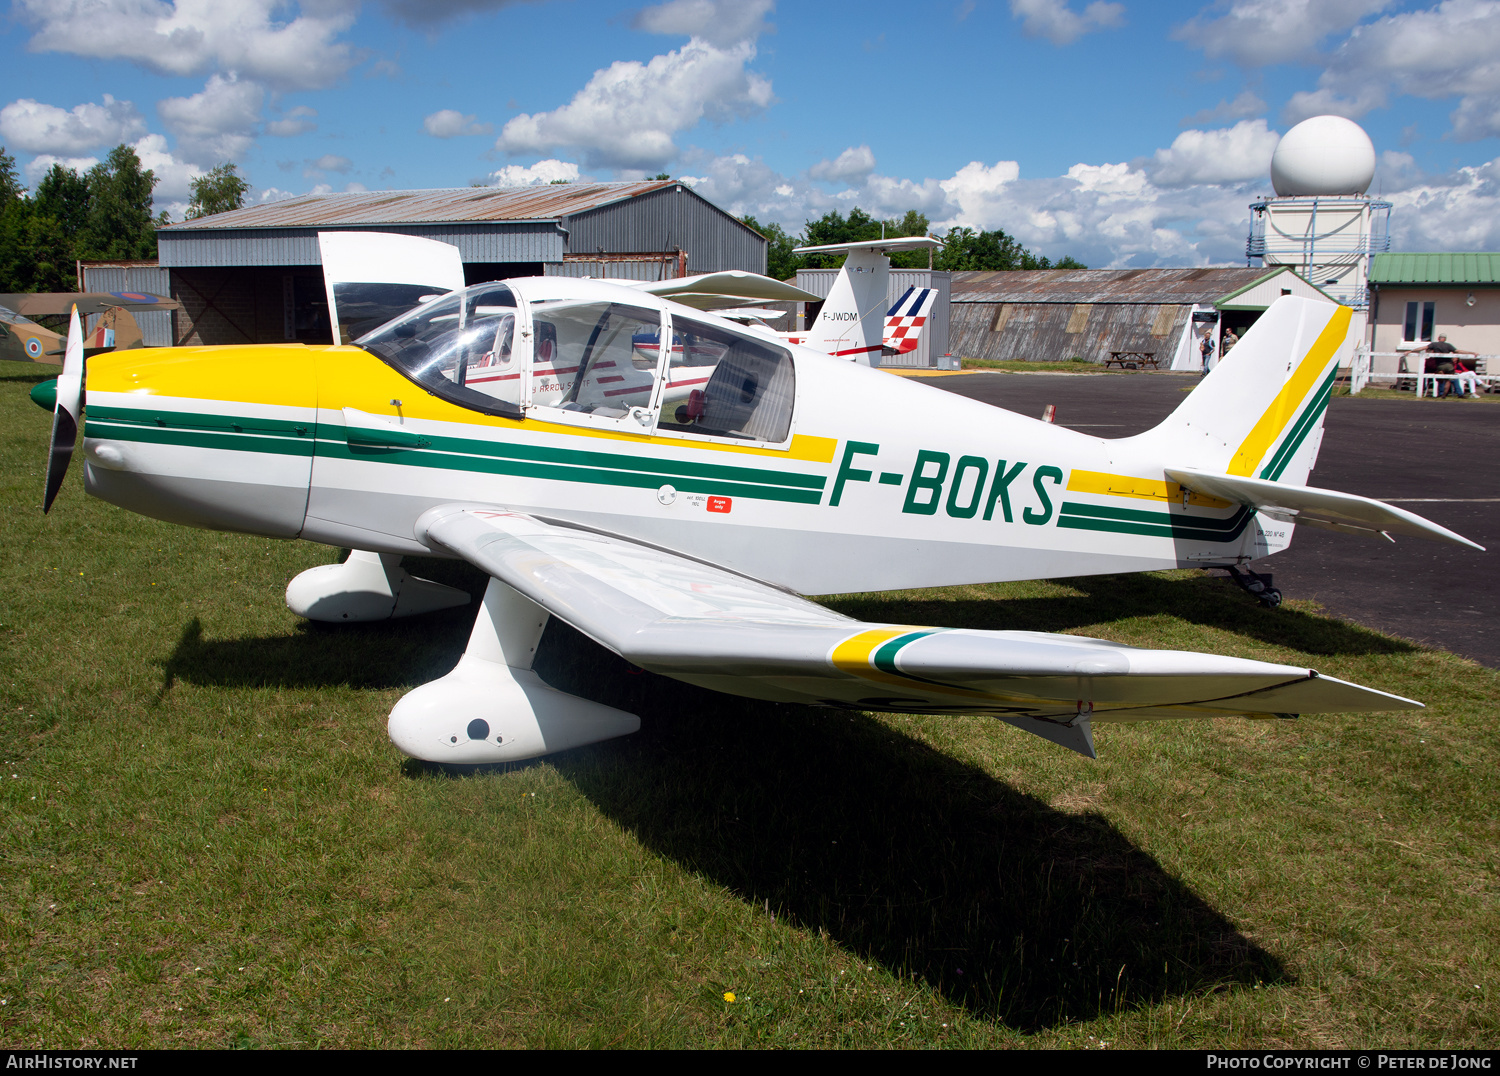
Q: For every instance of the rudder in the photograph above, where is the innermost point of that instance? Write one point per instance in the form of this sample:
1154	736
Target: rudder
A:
1259	413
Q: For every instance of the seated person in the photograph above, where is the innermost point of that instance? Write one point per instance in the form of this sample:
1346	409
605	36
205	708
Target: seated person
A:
1438	362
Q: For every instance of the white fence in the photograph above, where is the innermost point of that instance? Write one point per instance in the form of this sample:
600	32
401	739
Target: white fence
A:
1406	371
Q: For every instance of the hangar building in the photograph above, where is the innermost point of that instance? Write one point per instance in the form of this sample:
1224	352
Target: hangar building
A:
254	275
1059	314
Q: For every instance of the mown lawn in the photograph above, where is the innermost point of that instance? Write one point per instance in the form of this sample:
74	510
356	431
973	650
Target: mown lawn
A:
208	840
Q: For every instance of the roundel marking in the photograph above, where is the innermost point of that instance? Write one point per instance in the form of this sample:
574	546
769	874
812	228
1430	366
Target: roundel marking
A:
33	346
134	297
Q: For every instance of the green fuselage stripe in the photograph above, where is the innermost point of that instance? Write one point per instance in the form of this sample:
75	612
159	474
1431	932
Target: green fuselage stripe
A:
1094	517
453	453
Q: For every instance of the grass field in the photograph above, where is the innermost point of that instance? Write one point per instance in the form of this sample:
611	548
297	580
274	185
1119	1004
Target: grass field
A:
208	840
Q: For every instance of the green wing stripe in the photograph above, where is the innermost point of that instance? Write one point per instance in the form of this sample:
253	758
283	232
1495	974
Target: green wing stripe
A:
884	657
1304	426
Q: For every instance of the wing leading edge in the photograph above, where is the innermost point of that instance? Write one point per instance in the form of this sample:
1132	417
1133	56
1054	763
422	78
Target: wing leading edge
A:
707	626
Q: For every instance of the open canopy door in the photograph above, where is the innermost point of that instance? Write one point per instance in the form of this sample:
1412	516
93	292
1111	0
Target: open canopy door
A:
372	277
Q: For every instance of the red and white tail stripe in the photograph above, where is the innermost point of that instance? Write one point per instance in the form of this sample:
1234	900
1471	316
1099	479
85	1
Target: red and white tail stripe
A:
904	321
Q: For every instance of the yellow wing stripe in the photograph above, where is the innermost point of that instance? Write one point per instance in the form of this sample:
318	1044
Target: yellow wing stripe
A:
1118	485
1302	382
856	656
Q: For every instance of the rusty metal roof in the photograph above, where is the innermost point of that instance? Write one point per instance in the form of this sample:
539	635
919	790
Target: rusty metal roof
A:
1101	285
550	201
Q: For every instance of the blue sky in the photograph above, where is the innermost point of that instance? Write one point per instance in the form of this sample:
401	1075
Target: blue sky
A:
1123	133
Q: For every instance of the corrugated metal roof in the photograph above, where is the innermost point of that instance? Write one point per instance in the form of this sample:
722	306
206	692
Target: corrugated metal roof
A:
463	204
1470	268
1101	285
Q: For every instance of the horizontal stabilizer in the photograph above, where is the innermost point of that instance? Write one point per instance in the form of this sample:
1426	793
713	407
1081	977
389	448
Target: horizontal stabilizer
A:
735	284
705	625
1325	508
877	246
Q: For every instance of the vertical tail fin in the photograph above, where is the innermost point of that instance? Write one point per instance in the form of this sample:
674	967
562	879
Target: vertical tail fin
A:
904	320
1259	414
849	324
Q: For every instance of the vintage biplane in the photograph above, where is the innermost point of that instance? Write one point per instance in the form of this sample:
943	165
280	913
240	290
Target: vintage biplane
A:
684	532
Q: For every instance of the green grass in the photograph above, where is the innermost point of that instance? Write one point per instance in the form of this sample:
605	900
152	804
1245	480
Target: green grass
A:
208	840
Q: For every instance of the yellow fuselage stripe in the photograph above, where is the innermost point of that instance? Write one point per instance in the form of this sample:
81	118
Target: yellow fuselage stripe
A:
1116	485
288	375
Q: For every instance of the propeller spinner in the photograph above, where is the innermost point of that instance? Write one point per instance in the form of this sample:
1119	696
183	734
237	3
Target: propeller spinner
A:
66	412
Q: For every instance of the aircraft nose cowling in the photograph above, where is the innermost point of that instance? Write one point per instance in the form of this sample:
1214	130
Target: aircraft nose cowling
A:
220	438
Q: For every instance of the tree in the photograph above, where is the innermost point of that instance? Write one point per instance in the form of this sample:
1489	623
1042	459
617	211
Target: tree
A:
966	249
63	195
781	263
120	223
220	191
10	182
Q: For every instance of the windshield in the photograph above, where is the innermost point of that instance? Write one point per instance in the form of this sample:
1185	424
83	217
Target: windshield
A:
444	345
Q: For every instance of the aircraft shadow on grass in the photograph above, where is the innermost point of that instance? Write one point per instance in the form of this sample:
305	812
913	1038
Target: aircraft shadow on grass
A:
903	855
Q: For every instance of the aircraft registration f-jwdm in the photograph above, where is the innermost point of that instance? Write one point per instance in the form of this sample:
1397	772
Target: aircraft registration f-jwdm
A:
536	429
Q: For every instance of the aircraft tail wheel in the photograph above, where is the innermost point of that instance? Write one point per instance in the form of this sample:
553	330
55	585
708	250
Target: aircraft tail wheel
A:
67	412
1271	598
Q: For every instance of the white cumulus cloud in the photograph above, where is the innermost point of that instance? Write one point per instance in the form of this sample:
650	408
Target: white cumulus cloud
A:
174	176
723	23
1228	155
548	171
38	167
185	37
217	124
450	123
629	113
298	121
1060	24
856	162
1254	33
37	128
1451	50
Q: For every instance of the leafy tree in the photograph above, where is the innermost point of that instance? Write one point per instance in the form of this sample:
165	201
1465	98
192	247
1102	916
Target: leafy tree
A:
662	175
10	181
220	191
63	195
120	223
781	263
964	248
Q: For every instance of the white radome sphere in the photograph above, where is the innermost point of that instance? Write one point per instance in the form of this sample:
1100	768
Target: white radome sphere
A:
1325	155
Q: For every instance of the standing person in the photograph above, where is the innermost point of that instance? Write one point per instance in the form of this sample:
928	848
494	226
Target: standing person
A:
1206	348
1230	339
1438	362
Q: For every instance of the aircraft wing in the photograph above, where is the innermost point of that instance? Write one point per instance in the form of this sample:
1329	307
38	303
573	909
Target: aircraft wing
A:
44	303
1324	508
705	625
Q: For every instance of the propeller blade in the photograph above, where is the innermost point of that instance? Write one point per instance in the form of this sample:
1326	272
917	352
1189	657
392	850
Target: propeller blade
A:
67	412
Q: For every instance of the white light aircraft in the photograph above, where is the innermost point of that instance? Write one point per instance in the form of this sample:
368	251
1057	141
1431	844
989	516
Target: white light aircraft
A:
685	538
846	325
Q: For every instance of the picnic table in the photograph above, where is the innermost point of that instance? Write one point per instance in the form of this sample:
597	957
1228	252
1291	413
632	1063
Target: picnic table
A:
1132	359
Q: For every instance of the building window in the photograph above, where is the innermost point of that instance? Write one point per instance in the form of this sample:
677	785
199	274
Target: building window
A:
1417	328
